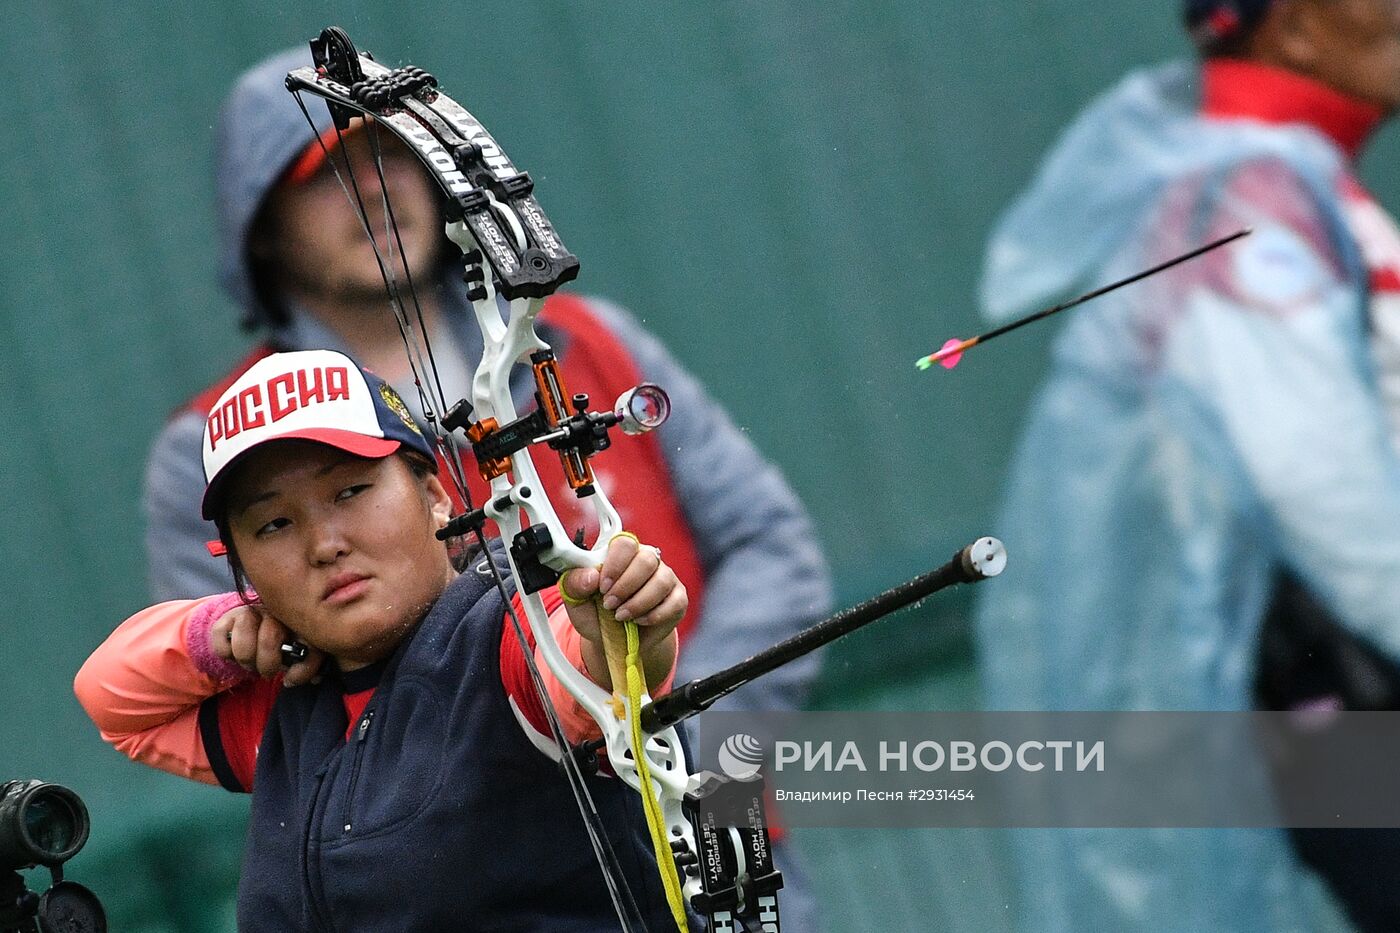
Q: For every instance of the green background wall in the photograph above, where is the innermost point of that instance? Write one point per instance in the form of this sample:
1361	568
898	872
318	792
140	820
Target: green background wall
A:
793	195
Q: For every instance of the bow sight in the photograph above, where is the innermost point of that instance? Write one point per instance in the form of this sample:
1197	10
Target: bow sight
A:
43	824
576	437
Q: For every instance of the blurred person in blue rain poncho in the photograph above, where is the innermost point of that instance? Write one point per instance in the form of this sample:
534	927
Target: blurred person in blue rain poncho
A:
1204	432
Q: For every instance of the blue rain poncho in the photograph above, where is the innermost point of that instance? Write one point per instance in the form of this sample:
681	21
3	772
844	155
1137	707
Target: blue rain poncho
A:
1196	432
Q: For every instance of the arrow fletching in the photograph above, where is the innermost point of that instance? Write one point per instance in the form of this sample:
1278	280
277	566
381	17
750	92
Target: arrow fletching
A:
949	355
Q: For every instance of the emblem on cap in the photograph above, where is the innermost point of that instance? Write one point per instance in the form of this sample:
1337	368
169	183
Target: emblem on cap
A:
397	406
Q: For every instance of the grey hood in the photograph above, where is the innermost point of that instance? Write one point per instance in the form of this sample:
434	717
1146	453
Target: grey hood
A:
261	131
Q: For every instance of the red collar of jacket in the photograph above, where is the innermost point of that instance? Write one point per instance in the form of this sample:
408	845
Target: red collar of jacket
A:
1235	89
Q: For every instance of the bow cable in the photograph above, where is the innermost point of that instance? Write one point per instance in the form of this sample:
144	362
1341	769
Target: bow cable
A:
405	324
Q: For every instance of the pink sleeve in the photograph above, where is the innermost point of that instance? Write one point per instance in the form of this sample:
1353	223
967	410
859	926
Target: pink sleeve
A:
144	685
577	724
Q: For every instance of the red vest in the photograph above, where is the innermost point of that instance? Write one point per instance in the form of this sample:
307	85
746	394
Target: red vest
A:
632	472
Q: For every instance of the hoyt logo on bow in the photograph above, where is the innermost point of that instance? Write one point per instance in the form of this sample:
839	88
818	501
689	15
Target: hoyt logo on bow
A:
514	258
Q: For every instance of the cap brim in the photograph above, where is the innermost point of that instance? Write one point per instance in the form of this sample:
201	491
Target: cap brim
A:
314	155
349	441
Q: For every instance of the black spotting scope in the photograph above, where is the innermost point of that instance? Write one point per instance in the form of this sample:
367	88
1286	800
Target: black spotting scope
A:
40	824
43	824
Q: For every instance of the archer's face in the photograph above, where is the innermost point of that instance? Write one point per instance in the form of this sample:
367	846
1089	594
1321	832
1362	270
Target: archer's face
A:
318	240
340	549
1357	49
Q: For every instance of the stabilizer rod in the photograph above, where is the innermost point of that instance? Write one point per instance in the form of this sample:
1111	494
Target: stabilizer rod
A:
985	557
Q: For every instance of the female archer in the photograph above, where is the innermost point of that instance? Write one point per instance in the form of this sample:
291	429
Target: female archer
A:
401	773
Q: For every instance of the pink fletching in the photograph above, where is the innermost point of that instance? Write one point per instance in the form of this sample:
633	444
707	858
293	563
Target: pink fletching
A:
946	356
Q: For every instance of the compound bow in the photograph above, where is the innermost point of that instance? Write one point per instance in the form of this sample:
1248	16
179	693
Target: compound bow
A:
514	259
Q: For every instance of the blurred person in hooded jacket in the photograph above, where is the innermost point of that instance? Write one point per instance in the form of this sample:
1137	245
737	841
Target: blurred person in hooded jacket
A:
1204	434
295	258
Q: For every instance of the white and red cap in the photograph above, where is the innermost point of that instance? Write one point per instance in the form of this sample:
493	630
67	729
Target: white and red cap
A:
310	395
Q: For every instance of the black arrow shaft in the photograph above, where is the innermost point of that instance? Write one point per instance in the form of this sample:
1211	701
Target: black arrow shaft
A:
1136	277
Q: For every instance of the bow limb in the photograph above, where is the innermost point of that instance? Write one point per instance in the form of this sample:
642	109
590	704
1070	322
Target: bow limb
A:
498	224
653	765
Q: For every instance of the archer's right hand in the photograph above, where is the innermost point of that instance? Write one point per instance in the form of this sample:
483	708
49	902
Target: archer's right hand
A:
251	638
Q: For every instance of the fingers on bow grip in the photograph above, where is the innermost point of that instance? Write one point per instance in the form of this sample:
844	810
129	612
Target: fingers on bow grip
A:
569	598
